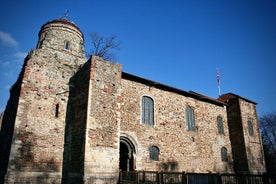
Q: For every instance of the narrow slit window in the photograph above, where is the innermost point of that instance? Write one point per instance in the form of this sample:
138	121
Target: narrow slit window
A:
57	110
250	128
220	125
67	45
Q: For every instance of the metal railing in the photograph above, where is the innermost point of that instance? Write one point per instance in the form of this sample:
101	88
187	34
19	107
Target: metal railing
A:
153	177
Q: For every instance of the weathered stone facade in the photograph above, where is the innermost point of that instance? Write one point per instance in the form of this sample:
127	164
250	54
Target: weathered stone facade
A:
247	149
180	150
71	121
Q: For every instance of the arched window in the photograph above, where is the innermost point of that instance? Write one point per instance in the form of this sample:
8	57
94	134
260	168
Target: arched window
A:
220	125
147	110
67	45
223	152
154	153
250	128
190	119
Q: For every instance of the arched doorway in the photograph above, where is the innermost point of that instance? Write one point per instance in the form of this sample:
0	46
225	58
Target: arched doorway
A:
126	155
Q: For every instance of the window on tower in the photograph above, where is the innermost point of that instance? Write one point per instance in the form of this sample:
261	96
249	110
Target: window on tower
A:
67	45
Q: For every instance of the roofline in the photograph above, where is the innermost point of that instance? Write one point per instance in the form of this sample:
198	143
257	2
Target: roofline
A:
171	89
63	21
238	96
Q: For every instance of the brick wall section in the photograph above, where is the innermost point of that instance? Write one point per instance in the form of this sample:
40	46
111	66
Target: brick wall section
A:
180	150
103	122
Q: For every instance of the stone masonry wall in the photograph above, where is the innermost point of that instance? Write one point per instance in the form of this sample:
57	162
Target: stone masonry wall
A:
38	134
103	122
253	144
180	150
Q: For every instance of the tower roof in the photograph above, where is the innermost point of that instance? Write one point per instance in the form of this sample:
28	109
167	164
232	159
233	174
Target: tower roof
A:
229	96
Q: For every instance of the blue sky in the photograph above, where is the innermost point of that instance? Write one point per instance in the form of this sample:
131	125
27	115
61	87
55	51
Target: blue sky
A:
175	42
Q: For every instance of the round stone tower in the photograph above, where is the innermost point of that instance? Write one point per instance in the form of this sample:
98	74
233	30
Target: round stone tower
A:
62	35
38	107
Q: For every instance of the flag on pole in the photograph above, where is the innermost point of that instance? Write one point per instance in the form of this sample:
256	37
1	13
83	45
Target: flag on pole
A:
218	80
218	77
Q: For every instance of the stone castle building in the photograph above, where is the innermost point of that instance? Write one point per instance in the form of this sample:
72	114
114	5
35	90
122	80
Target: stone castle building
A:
69	120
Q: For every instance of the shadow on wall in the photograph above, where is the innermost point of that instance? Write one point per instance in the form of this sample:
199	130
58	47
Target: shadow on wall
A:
74	137
26	160
8	121
169	166
255	162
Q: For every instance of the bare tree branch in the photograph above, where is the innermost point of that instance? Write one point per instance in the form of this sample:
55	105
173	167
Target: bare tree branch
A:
103	46
268	132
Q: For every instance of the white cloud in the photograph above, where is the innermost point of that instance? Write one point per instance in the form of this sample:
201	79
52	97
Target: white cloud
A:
20	56
7	87
7	39
8	74
16	59
4	63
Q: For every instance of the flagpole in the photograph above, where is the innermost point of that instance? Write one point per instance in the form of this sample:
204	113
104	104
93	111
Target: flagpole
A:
218	80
